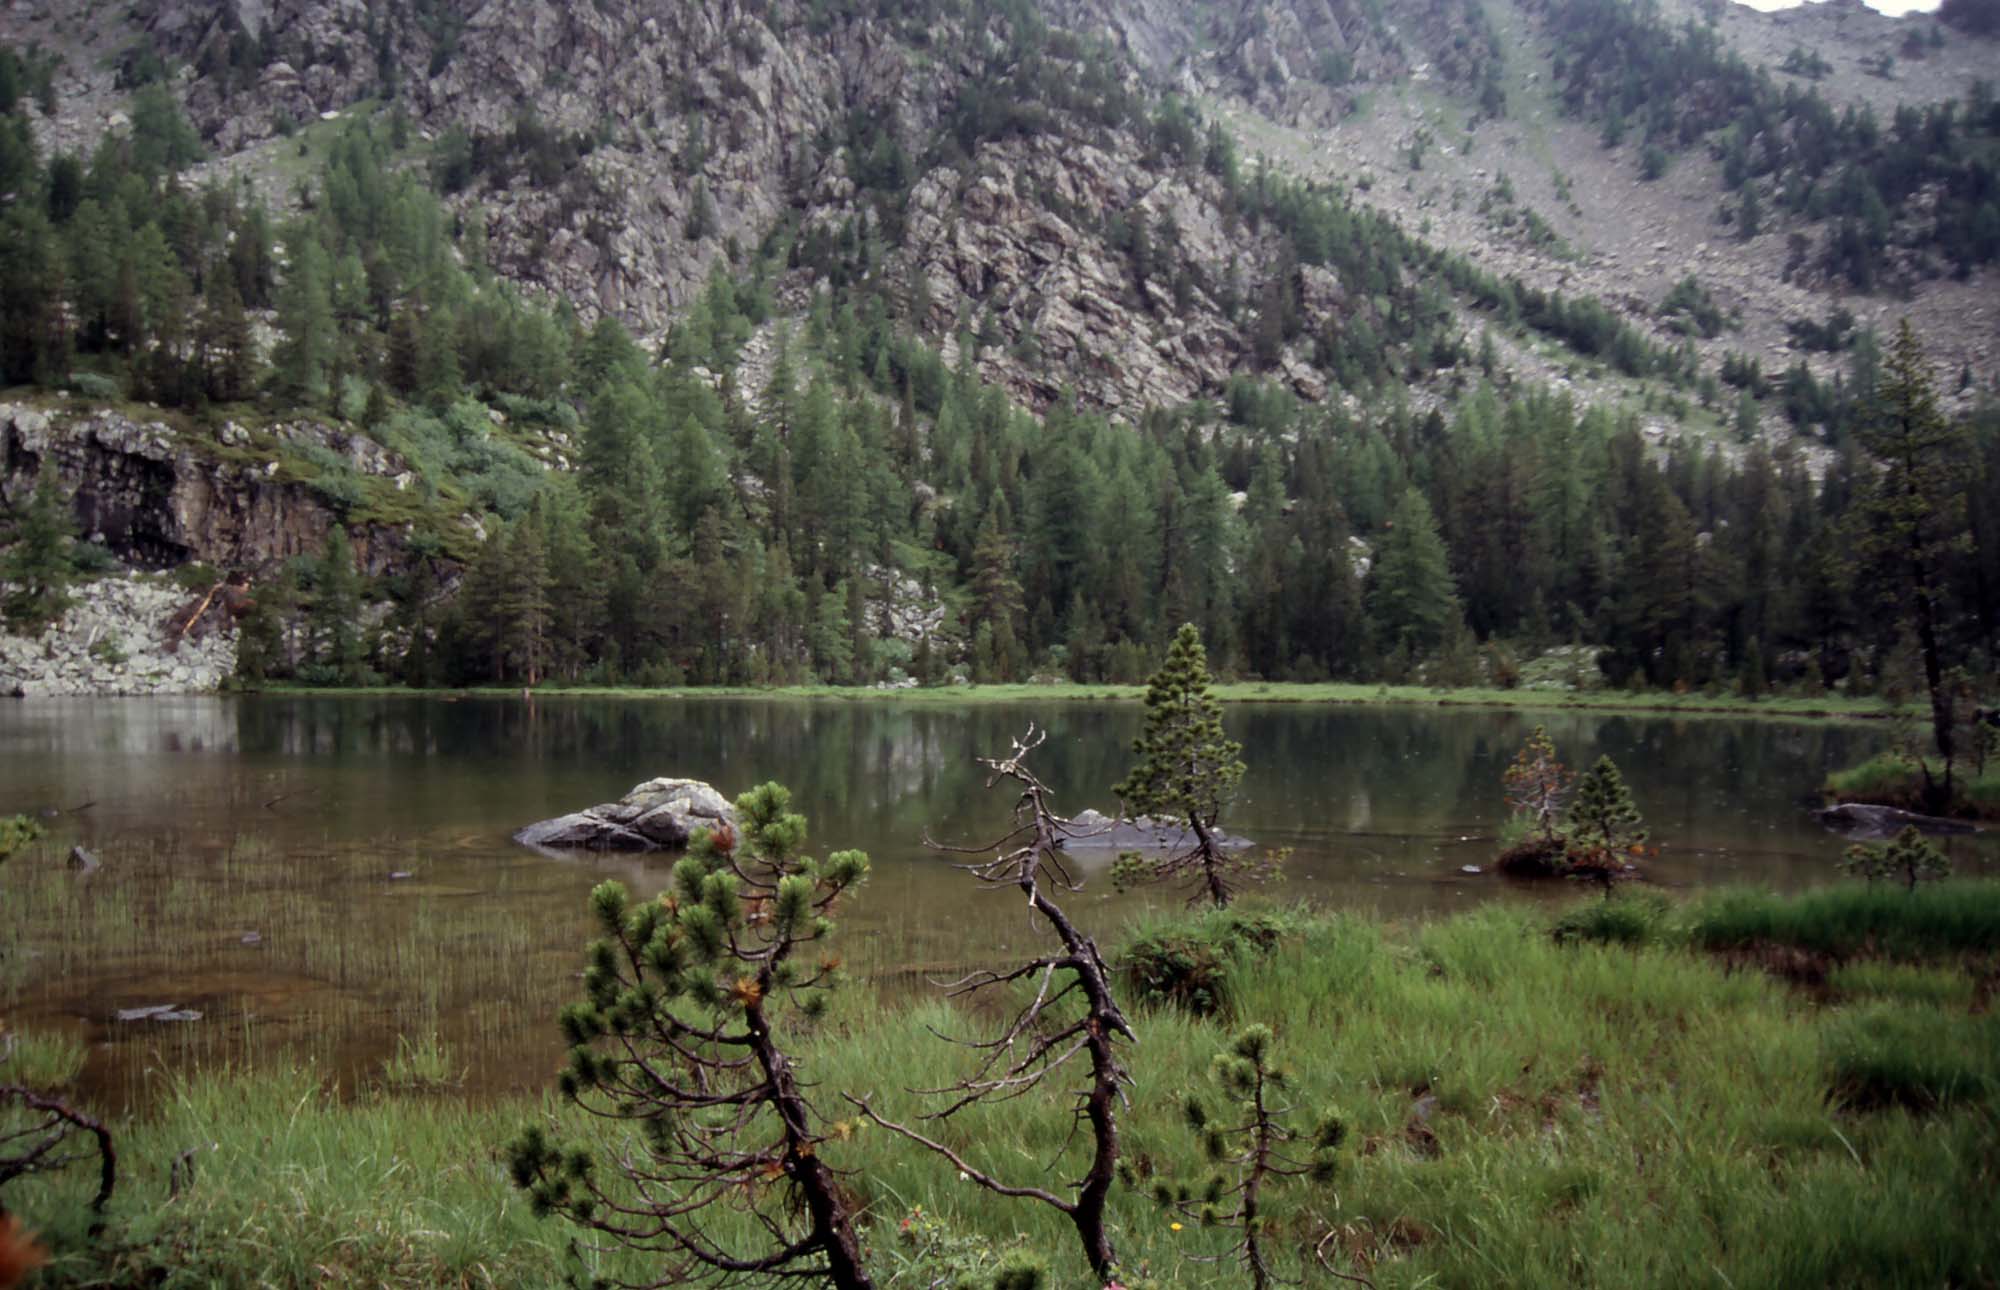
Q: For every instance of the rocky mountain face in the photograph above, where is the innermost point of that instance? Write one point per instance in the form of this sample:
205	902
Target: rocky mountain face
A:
157	497
617	153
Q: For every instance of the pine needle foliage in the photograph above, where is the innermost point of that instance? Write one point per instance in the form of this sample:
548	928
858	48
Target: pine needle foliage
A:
1605	830
1908	856
678	1037
1251	1145
1185	769
37	561
1602	810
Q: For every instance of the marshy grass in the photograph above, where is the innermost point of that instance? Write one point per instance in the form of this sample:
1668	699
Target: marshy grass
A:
1617	1111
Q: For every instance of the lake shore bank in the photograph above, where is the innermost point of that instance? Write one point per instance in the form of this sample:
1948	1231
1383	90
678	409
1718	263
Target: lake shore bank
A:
1653	703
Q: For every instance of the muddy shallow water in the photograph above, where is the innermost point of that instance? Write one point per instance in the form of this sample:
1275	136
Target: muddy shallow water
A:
326	878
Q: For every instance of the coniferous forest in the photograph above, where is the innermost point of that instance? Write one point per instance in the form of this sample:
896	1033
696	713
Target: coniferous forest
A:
700	528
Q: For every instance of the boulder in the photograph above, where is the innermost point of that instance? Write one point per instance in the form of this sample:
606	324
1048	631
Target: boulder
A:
1868	820
658	815
1096	831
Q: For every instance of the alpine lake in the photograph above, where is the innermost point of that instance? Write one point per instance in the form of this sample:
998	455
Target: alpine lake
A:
332	880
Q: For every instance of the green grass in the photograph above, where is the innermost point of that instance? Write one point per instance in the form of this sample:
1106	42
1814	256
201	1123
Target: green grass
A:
1829	705
1522	1112
1894	779
1955	917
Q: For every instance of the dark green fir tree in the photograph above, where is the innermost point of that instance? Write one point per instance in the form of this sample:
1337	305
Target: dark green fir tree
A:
1185	770
36	565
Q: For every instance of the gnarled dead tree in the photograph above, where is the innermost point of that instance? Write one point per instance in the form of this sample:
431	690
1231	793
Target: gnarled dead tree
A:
1072	1016
39	1132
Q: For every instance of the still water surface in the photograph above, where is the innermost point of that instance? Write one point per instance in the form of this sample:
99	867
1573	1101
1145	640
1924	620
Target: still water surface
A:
323	875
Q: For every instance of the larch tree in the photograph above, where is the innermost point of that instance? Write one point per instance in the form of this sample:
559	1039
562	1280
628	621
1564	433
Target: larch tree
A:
1411	595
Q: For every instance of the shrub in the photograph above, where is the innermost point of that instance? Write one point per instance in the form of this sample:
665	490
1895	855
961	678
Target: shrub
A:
1188	964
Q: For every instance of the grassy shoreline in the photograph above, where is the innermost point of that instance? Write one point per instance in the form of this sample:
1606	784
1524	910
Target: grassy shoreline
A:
1893	779
1624	1106
1823	707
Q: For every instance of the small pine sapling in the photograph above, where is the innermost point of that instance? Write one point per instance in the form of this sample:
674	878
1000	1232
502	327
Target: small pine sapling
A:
1605	830
1072	1014
1186	774
1251	1146
677	1037
1908	856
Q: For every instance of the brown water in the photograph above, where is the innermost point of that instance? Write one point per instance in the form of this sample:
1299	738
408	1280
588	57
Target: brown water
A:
321	876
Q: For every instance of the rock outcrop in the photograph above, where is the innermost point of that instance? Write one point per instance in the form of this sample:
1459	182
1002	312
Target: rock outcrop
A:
1096	831
117	638
1869	820
658	815
158	497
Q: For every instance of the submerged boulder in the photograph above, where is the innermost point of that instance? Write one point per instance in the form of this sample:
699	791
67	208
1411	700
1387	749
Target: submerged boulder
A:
658	815
1869	820
1096	831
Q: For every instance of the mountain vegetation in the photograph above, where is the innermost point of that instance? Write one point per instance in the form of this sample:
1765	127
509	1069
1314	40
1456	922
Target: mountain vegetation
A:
834	466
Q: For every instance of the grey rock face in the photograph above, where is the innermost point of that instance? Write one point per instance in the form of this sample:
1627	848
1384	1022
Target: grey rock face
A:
660	814
114	639
159	498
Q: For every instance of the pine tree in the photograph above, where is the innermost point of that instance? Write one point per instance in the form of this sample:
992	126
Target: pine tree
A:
1605	829
37	562
1411	595
336	612
1909	856
688	1002
305	314
1913	517
1185	768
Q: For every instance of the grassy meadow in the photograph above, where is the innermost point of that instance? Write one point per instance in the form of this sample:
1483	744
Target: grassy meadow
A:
1734	1089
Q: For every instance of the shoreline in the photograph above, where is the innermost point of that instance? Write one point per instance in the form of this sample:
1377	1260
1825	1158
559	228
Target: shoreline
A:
1332	694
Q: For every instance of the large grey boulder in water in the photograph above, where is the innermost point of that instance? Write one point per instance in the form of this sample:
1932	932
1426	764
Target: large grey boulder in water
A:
658	815
1094	830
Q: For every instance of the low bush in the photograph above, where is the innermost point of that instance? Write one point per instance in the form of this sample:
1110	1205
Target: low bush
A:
1187	963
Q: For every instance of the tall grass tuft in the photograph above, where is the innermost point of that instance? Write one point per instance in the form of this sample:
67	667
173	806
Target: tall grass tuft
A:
1949	918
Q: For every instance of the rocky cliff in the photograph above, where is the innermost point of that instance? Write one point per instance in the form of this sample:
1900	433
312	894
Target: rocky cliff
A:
158	495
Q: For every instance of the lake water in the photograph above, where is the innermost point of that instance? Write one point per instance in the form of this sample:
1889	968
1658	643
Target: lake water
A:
324	877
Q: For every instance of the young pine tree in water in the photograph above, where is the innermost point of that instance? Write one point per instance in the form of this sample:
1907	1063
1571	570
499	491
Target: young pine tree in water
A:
1186	773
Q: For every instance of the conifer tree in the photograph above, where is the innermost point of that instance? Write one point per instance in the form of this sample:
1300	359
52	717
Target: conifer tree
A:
336	613
1602	814
37	563
1185	770
1250	1139
1913	518
679	1048
1909	857
1411	596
